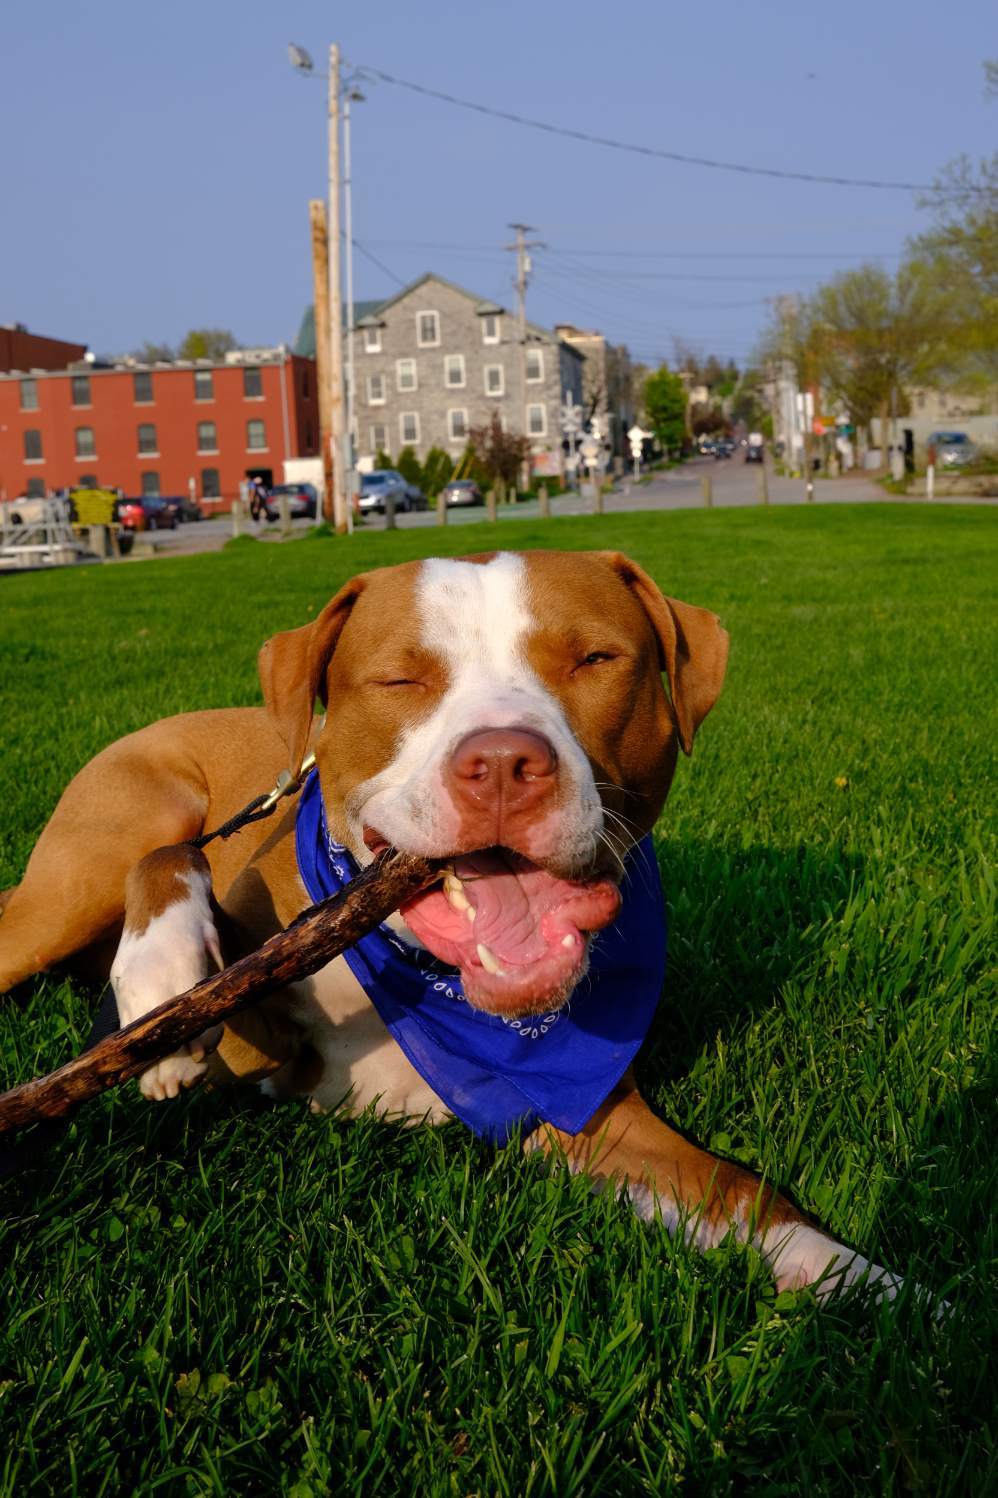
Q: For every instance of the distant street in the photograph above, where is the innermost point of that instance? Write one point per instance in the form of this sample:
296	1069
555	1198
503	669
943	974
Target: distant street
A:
733	482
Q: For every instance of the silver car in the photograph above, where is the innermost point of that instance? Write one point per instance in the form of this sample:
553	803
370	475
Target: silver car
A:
376	487
953	449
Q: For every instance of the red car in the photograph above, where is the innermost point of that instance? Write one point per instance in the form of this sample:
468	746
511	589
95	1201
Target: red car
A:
148	514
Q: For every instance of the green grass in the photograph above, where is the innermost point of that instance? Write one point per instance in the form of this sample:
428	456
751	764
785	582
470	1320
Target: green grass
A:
220	1297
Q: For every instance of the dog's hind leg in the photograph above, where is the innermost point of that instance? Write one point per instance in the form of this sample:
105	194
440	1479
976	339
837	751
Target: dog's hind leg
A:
669	1180
139	794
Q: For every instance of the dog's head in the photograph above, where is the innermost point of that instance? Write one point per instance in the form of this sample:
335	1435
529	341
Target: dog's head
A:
505	712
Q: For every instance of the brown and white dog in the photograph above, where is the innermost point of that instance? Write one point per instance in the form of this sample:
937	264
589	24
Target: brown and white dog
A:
506	711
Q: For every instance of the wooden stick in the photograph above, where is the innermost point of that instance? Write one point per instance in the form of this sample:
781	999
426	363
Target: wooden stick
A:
315	938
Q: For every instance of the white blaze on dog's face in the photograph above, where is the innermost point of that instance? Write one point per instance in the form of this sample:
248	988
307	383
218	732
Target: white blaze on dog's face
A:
505	713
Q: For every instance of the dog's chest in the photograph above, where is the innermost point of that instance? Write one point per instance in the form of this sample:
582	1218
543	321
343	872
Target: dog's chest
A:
361	1061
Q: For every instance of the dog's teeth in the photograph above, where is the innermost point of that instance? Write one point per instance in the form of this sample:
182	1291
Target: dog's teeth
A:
568	940
488	962
471	912
454	890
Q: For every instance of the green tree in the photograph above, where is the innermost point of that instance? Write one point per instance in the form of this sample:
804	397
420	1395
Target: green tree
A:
206	343
410	467
437	471
383	460
151	352
665	407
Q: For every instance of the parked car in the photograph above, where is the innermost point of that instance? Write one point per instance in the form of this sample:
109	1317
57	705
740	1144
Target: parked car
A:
303	500
187	508
417	499
376	487
151	513
953	449
724	448
755	452
462	492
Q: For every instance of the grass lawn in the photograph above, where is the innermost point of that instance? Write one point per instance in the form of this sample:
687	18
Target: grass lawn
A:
215	1296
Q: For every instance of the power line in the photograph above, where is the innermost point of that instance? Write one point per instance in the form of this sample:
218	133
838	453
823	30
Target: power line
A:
379	263
490	250
683	159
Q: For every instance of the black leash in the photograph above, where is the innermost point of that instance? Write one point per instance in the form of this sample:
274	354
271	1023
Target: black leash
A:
41	1136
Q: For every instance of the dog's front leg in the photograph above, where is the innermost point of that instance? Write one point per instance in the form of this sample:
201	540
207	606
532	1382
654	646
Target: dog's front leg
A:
168	944
668	1179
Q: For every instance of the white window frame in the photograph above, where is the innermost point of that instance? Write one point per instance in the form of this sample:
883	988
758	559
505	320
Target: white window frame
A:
496	318
537	379
379	444
372	340
537	406
403	417
372	399
406	389
501	391
422	342
461	411
257	421
450	384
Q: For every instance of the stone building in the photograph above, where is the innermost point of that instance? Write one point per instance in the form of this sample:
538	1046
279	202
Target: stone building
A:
434	361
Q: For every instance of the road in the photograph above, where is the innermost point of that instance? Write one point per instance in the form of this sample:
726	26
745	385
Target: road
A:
733	482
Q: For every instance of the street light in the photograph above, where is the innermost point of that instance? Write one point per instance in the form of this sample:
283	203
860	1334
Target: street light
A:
345	90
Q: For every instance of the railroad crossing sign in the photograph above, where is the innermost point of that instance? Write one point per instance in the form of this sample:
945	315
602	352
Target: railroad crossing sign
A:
592	451
571	415
636	438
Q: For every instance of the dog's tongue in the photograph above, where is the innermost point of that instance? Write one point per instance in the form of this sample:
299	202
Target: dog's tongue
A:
515	931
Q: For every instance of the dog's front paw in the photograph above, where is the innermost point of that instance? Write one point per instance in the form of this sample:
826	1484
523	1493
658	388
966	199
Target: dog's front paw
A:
171	1075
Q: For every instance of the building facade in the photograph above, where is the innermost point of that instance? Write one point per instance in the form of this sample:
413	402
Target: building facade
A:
607	384
435	361
20	349
152	428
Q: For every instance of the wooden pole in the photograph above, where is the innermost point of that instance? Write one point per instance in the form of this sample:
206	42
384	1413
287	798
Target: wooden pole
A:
490	503
320	288
544	501
315	938
762	484
441	509
707	485
337	418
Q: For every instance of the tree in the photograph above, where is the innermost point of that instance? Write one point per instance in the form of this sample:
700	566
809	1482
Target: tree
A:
665	407
154	353
501	454
437	471
206	343
409	467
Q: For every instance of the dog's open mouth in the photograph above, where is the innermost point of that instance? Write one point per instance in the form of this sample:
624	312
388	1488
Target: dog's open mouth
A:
518	934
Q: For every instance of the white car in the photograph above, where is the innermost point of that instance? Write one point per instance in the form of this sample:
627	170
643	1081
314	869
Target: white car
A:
377	486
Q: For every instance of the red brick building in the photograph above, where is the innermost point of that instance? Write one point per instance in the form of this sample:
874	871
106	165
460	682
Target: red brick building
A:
151	428
20	349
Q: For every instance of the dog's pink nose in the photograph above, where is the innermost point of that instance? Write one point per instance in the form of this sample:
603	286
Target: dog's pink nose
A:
497	777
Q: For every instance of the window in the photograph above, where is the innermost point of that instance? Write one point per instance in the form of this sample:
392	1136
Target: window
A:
405	374
32	446
252	383
150	484
495	379
211	487
535	365
490	328
409	427
376	390
379	437
204	385
35	489
29	395
207	437
537	423
142	383
256	436
85	447
372	340
147	438
81	390
457	425
454	371
306	384
427	329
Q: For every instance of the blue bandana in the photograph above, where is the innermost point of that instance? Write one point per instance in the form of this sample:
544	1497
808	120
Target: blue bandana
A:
496	1074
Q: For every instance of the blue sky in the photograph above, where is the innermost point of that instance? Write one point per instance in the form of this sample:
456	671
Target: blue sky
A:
158	160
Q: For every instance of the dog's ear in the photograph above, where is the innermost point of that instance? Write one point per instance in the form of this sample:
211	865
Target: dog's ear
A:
292	670
693	647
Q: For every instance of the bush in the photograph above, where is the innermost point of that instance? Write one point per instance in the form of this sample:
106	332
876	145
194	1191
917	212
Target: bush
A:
410	467
438	470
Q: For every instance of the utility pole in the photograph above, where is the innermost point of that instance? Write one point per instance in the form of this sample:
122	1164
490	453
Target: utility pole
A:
336	425
323	346
522	247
